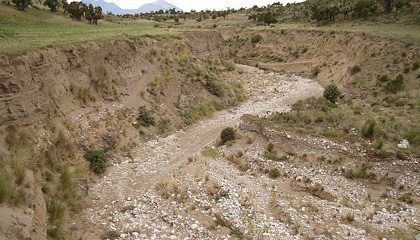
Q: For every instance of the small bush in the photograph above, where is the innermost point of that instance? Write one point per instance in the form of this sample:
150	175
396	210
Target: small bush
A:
214	87
227	134
331	93
97	159
6	185
210	152
355	69
361	173
396	85
315	71
145	117
274	173
256	38
270	147
384	78
271	154
407	198
349	217
369	128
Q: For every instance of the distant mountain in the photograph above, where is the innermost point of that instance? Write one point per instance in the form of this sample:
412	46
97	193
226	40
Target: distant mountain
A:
156	6
148	7
106	6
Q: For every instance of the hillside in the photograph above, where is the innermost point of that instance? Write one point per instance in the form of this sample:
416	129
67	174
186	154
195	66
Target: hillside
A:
211	124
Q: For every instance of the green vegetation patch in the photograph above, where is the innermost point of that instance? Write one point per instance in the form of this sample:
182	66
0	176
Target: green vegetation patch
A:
98	160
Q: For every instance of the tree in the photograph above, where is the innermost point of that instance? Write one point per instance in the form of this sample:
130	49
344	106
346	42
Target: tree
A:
89	14
65	5
97	14
267	18
93	14
400	4
364	8
323	12
52	4
388	6
22	4
76	10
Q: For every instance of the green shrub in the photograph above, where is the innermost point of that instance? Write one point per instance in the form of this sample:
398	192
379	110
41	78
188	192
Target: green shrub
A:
274	173
270	147
6	184
256	38
56	212
331	93
227	134
145	117
97	159
214	87
355	69
369	128
396	85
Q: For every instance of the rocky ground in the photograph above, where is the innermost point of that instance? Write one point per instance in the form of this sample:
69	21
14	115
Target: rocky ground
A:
185	186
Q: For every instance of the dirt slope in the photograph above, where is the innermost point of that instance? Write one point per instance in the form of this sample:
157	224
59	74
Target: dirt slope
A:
88	97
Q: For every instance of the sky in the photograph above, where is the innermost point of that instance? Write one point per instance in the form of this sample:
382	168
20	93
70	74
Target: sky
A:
187	5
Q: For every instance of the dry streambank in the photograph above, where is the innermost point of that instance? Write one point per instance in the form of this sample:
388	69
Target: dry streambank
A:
377	75
57	103
327	56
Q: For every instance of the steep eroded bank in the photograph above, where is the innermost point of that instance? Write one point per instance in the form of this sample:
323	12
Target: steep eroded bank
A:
57	103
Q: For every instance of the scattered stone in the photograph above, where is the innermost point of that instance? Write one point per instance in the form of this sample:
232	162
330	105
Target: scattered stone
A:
404	144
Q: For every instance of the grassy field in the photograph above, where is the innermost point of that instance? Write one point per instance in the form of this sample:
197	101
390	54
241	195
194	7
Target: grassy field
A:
37	29
34	29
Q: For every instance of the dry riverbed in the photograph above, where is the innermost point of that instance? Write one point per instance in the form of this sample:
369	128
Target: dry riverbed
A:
184	186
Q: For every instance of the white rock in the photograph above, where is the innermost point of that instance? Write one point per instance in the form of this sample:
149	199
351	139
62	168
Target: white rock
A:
194	226
404	144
